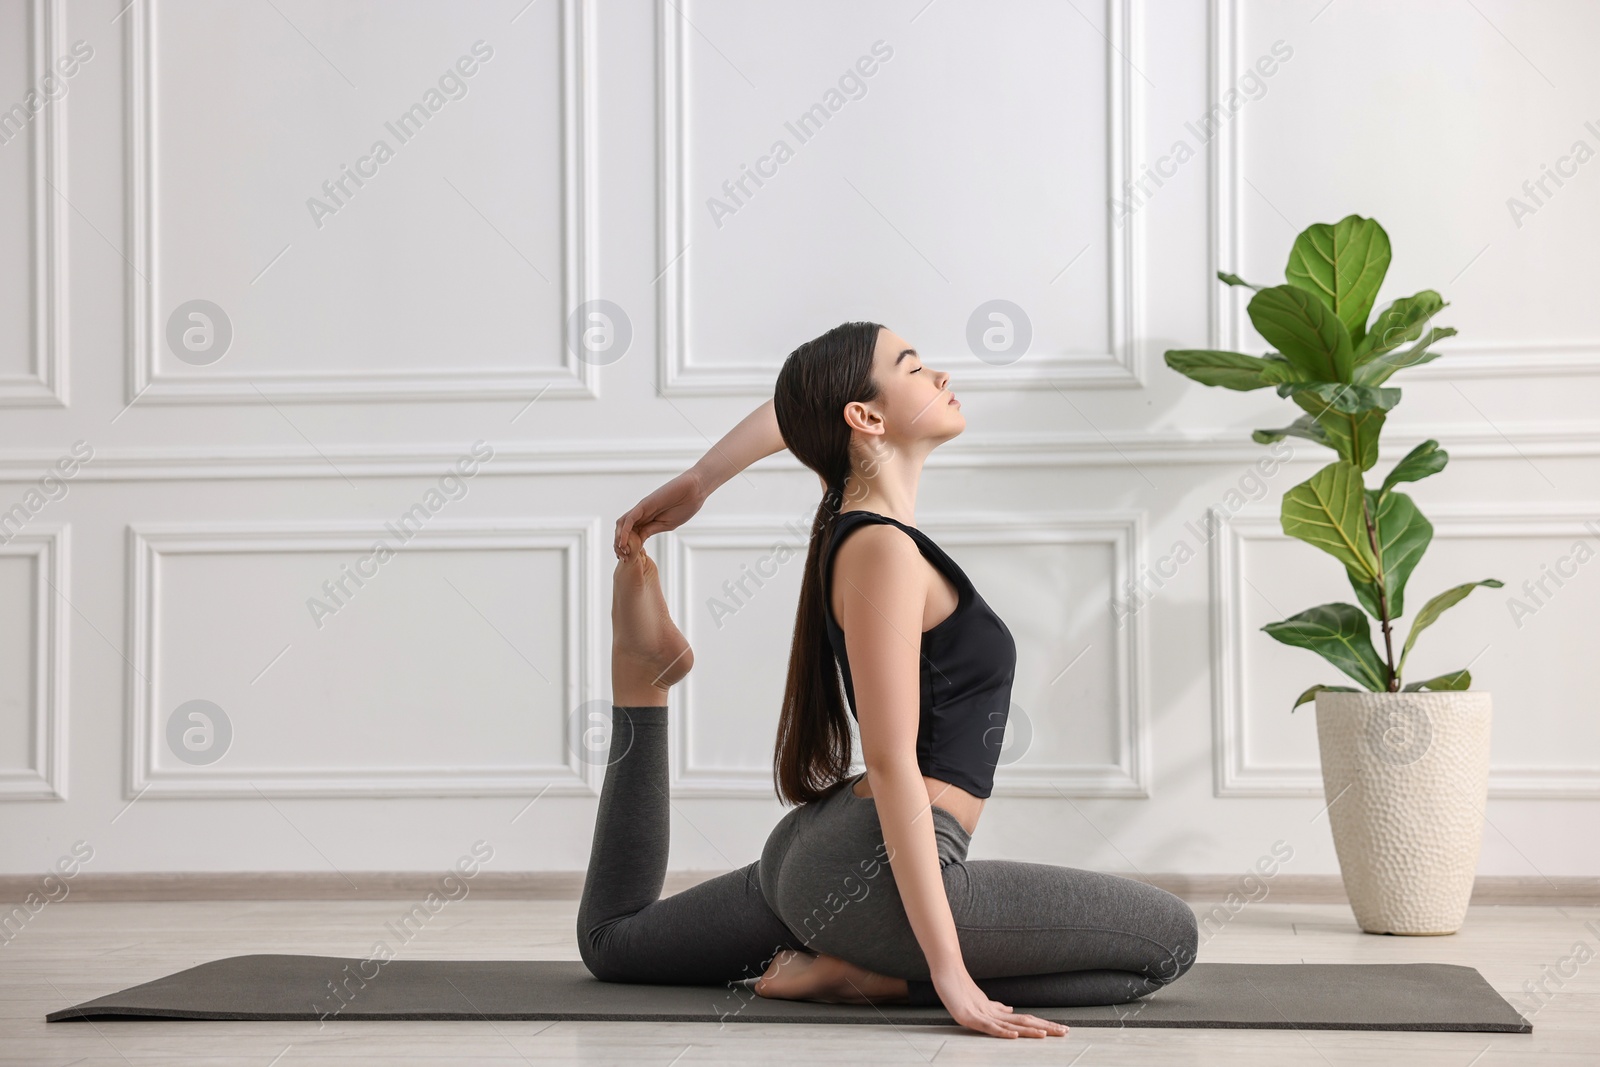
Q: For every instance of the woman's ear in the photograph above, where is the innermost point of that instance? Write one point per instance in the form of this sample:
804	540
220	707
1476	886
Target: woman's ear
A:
863	417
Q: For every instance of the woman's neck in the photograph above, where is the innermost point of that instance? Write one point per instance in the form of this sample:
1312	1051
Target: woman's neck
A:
892	492
887	480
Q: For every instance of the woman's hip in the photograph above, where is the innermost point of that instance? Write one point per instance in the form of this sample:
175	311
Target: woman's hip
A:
825	873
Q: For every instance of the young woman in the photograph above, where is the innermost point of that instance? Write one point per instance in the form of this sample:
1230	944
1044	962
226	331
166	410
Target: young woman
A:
863	892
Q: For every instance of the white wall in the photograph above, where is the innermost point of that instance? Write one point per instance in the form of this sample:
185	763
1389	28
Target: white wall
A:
374	345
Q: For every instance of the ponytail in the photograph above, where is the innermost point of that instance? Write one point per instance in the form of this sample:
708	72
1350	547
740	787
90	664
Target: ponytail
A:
814	742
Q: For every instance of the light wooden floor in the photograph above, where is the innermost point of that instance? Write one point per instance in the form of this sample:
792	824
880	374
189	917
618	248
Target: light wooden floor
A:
74	951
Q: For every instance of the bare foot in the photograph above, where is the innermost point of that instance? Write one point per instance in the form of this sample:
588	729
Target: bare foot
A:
827	980
648	652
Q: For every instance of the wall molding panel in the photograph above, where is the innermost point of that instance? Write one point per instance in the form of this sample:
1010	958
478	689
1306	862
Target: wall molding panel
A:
45	778
1236	775
148	545
576	378
1458	359
47	241
680	375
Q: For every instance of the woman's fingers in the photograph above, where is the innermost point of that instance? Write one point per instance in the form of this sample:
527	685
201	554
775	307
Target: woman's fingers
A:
1025	1025
1012	1030
620	533
1036	1026
969	1006
988	1024
1049	1026
1000	1025
625	527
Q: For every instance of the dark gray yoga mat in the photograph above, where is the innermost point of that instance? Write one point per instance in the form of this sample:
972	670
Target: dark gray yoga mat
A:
1273	996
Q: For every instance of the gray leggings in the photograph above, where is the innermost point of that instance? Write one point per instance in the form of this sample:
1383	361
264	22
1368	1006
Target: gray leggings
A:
1032	934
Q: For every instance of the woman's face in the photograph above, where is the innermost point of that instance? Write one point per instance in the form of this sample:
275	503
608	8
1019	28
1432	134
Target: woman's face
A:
914	400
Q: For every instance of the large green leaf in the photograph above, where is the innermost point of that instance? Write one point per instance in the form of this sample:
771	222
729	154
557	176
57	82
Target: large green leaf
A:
1434	608
1309	335
1354	437
1402	321
1325	510
1379	369
1343	265
1231	370
1318	397
1310	694
1455	681
1427	458
1403	535
1305	426
1351	416
1340	634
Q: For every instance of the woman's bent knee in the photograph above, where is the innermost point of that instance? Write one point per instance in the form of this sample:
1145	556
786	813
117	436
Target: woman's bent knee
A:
602	954
1179	937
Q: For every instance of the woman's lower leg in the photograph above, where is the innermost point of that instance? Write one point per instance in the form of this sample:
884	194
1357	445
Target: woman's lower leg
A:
1063	989
718	931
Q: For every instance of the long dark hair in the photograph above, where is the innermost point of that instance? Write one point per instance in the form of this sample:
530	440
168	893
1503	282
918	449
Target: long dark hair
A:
812	752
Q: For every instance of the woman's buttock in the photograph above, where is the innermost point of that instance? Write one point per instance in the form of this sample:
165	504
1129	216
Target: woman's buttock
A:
826	872
957	801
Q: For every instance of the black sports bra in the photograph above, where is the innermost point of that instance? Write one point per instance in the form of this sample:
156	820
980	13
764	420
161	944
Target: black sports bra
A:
968	663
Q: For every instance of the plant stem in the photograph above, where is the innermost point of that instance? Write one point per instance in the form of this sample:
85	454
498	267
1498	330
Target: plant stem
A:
1383	596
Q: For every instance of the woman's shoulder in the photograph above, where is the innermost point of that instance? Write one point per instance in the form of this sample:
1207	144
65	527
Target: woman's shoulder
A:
882	563
881	540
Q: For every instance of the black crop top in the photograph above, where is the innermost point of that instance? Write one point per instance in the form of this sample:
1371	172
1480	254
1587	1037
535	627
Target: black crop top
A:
967	665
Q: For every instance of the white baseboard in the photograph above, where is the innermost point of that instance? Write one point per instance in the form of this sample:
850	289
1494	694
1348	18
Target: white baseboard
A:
89	887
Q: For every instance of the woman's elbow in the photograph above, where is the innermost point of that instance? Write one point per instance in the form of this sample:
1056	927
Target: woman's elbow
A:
889	770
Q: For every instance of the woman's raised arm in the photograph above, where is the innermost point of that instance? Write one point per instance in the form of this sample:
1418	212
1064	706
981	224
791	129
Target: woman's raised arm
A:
674	503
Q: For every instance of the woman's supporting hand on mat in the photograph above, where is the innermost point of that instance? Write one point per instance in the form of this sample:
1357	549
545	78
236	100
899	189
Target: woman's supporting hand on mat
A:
972	1008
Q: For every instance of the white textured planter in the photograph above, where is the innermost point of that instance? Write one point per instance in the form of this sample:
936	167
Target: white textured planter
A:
1406	777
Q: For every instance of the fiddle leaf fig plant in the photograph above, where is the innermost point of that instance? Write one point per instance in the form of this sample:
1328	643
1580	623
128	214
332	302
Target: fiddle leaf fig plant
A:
1333	363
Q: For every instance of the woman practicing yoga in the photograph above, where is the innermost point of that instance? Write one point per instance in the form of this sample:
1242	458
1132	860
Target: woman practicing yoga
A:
863	893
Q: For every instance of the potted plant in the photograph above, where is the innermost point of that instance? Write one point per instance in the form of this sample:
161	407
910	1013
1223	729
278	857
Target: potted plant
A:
1405	765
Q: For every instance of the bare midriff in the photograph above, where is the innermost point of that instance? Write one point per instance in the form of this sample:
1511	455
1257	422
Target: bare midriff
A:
952	798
